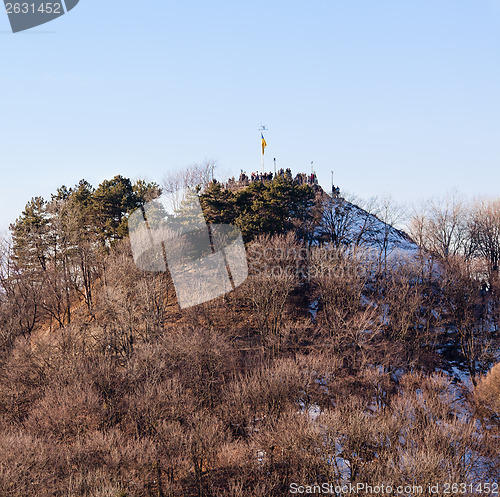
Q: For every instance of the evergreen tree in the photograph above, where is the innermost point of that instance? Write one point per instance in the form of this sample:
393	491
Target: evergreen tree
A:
112	200
262	207
218	204
29	235
146	191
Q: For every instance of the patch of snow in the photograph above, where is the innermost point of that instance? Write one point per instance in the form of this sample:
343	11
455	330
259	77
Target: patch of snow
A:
313	411
462	376
313	309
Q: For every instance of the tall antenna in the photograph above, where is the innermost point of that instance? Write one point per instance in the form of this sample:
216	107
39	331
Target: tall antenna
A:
262	129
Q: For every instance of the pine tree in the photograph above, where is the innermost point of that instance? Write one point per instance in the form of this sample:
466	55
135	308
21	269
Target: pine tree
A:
29	235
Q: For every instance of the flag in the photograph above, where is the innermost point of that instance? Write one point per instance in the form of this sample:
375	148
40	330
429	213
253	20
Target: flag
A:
264	144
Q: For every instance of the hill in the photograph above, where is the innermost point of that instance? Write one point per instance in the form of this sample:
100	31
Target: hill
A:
328	364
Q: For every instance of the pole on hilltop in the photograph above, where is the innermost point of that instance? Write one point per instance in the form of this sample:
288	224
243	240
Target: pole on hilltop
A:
262	129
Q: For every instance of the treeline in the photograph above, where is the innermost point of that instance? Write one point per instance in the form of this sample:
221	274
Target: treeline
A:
335	362
57	248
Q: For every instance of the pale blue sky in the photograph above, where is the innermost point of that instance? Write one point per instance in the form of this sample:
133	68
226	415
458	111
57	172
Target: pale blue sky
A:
399	97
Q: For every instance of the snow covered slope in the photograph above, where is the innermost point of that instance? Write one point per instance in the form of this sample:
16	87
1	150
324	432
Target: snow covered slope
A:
343	223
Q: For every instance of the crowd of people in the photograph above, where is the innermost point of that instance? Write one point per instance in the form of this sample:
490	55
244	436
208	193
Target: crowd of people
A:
306	179
245	180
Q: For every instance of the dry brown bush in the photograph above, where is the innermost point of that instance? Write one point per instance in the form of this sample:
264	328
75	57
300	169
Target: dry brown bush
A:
151	404
260	397
340	279
417	439
487	395
66	411
29	466
275	264
355	441
370	387
127	460
204	440
22	379
438	439
204	358
289	451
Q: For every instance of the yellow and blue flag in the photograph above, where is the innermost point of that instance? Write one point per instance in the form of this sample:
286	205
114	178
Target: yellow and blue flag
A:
264	144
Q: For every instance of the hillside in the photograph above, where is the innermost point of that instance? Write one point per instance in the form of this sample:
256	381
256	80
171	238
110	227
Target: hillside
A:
328	364
356	226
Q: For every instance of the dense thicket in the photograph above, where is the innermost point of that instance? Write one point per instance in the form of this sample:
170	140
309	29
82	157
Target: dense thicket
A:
336	361
263	207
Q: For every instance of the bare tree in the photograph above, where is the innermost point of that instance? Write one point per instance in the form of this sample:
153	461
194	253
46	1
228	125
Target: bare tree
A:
340	222
196	176
441	226
20	296
468	315
385	233
484	228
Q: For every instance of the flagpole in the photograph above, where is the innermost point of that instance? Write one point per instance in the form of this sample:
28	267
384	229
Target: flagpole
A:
262	129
